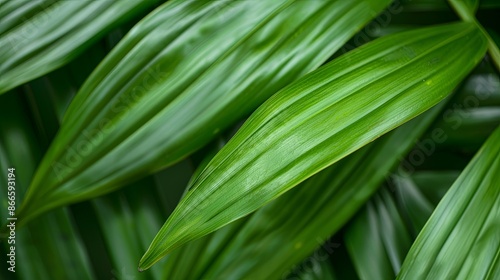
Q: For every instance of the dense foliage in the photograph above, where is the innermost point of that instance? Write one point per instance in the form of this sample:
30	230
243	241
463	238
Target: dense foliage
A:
263	139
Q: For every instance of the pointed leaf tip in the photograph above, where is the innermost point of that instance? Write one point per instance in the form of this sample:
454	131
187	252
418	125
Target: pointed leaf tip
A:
319	120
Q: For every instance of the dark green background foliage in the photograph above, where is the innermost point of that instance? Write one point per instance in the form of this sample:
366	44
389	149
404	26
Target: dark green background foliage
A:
251	139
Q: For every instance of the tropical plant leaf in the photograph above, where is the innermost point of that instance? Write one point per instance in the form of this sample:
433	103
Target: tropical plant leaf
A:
269	242
461	240
126	227
166	86
377	240
125	221
318	120
37	37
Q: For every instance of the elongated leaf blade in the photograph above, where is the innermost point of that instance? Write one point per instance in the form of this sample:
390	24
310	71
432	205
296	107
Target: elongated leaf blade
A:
461	240
320	119
37	37
269	242
165	90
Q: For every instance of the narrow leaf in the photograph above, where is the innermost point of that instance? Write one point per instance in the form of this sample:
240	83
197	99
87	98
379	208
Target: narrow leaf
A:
275	238
317	121
461	240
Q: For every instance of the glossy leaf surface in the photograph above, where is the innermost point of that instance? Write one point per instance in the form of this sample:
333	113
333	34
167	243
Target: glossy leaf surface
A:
320	119
269	242
184	73
37	37
461	239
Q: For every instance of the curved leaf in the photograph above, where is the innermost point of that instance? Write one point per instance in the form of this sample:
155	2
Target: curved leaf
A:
317	121
37	37
187	71
267	243
461	240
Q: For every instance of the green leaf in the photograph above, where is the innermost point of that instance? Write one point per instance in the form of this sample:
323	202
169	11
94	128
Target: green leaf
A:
50	247
381	235
37	37
368	240
460	240
126	227
183	74
290	228
466	9
317	121
125	221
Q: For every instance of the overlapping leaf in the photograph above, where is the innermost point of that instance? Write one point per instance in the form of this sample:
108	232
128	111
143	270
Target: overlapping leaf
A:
50	247
380	236
37	37
318	120
125	221
461	239
268	243
466	9
184	73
